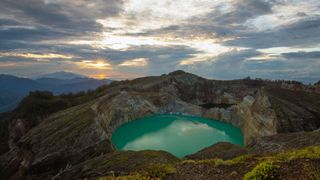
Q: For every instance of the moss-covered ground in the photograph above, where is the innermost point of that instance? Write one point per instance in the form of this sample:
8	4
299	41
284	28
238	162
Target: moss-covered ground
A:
291	164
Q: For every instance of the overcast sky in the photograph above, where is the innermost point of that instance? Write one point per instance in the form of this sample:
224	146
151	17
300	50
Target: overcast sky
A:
229	39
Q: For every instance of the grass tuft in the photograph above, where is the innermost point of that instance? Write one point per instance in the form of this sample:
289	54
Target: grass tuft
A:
160	171
263	171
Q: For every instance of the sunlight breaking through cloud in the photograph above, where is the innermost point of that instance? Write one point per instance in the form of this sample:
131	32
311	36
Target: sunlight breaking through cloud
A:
98	64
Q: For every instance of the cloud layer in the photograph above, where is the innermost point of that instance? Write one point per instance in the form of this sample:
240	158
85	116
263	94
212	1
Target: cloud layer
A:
126	39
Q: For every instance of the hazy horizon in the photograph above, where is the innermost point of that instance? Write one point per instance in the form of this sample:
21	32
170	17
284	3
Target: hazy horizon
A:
120	79
115	39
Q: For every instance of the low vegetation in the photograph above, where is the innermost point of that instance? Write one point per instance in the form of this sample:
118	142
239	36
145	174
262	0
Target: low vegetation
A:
159	170
308	152
263	171
152	172
260	166
247	167
218	161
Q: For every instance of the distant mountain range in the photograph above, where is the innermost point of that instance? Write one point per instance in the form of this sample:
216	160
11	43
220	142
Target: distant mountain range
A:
13	88
62	75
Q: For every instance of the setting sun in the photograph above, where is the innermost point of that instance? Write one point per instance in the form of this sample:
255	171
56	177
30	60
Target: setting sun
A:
99	76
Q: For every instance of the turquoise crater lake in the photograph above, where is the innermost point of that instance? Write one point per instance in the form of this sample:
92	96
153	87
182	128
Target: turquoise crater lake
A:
177	134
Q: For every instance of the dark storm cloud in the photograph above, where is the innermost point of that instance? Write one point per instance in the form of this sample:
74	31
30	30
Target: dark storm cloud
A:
7	22
226	66
52	12
7	59
306	70
30	34
305	32
160	59
230	65
168	58
172	29
11	45
237	64
24	25
69	18
37	11
174	53
302	55
243	10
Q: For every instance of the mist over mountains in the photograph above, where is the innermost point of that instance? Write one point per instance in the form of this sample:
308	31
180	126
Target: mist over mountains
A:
14	88
61	75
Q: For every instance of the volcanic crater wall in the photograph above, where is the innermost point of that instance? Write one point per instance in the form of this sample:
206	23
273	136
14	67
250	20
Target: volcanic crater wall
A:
253	115
258	108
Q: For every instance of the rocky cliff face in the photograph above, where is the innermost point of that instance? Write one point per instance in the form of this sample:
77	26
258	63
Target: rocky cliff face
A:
253	115
247	107
295	110
122	108
259	109
83	132
259	118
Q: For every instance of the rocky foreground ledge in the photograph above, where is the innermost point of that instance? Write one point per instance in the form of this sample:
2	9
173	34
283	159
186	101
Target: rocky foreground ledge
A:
73	143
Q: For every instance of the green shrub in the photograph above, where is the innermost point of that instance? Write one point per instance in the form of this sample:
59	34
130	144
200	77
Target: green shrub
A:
263	171
159	170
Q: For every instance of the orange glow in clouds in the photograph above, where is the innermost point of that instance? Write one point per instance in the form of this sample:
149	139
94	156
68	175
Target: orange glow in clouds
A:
99	76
